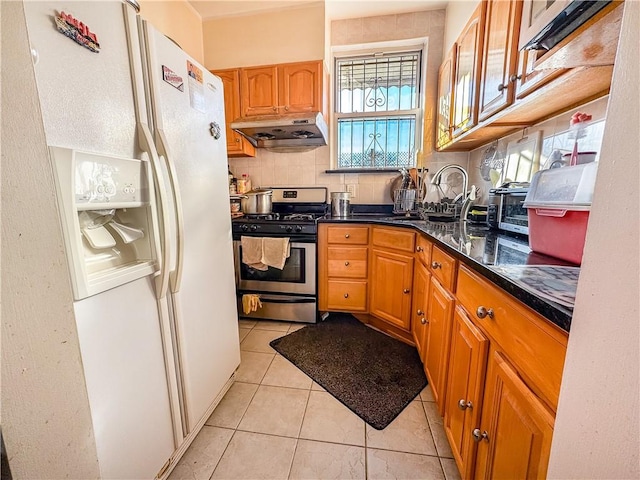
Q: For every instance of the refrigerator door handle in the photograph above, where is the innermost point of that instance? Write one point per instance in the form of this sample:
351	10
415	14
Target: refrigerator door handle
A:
175	276
147	145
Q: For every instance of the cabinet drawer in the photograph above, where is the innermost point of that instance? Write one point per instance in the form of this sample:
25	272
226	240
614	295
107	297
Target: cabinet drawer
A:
347	295
349	262
354	235
443	267
535	346
397	239
423	250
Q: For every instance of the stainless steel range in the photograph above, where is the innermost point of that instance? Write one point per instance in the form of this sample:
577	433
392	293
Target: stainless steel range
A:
289	294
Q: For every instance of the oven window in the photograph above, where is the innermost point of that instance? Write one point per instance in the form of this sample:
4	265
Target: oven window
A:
513	211
293	271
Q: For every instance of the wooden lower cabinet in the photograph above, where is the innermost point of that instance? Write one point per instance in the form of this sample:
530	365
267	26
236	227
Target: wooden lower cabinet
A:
420	302
514	437
439	317
390	290
347	295
467	362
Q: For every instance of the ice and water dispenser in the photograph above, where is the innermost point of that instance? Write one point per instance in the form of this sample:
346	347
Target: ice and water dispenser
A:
108	217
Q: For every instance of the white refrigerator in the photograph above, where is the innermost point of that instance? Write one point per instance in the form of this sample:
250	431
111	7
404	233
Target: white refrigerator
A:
135	131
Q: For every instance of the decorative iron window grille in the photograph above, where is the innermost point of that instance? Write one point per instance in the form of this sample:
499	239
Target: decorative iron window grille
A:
377	108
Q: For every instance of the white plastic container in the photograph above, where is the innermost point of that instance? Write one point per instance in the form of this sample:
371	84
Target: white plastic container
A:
558	206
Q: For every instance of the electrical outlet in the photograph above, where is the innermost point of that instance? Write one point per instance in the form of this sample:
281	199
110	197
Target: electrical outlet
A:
352	188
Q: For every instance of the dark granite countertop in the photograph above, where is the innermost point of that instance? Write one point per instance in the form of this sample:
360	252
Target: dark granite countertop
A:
503	259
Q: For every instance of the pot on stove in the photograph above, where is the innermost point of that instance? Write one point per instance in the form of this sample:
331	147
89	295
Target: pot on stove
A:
256	201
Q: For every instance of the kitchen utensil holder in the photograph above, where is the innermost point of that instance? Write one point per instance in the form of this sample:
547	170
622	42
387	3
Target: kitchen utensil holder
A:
444	210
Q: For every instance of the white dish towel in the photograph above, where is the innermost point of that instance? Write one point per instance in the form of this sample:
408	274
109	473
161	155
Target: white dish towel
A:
264	252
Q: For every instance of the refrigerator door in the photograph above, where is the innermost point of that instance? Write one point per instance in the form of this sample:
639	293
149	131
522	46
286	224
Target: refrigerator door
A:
188	119
87	104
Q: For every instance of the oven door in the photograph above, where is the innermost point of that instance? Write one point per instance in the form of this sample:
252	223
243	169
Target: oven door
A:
513	216
297	277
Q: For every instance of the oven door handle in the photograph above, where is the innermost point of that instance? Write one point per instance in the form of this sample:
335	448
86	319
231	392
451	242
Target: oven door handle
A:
275	299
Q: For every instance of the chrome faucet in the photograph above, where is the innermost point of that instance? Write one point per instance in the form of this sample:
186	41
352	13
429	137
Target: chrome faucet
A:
437	178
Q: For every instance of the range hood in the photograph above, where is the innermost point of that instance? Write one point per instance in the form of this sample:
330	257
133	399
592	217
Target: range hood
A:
292	130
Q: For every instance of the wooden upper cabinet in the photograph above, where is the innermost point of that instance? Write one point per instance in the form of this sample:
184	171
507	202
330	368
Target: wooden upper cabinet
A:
499	56
237	145
445	99
516	428
300	87
259	91
467	73
281	89
528	80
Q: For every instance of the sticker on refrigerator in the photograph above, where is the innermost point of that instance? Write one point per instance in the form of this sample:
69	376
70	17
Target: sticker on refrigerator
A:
172	78
77	31
196	88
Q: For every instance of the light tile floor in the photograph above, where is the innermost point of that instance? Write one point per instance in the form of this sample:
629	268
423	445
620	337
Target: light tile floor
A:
277	423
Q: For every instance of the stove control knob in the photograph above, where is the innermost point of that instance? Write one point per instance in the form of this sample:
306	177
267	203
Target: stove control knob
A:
298	228
254	228
245	228
289	228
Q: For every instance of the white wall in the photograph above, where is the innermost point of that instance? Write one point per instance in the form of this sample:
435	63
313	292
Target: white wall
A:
46	422
458	13
597	425
291	35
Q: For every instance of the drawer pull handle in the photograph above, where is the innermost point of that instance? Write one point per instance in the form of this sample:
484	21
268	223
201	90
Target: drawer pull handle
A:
346	235
346	295
346	264
462	405
405	291
483	312
424	321
419	249
478	436
419	312
436	265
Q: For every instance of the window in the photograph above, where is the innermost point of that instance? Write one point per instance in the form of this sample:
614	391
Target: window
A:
378	110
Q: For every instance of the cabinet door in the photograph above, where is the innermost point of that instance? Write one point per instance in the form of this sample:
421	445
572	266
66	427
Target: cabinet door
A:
421	280
467	364
529	80
391	277
237	145
439	316
259	91
499	57
467	73
300	87
445	98
516	429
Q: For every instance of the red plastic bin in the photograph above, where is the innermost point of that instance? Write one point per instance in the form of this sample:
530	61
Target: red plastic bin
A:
558	232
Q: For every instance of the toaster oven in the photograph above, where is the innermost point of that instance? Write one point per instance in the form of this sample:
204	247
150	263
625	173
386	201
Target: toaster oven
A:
506	211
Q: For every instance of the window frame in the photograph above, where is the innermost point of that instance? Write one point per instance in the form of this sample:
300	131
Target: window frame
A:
369	50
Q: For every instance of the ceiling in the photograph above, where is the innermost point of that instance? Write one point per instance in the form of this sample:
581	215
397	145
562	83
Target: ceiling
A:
335	9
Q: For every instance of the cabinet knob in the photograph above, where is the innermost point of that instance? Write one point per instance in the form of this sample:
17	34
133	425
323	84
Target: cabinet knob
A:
346	264
501	87
405	291
286	108
346	295
514	78
419	312
483	312
462	405
275	109
346	235
419	249
436	265
423	321
237	139
477	435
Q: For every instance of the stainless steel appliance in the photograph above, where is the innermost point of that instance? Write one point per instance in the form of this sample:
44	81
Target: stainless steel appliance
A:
506	211
291	130
289	294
